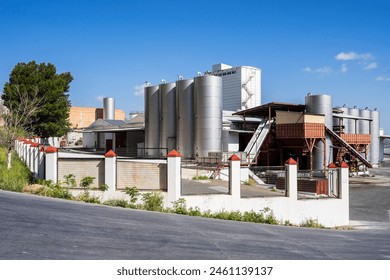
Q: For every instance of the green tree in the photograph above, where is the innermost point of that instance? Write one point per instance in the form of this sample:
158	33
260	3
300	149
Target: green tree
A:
52	118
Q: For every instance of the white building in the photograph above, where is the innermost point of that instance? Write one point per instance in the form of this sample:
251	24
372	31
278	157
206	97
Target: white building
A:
241	86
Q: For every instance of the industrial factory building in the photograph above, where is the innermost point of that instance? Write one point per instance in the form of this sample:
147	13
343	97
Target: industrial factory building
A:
209	117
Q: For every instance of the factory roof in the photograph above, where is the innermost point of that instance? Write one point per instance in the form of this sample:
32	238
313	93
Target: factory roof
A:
268	110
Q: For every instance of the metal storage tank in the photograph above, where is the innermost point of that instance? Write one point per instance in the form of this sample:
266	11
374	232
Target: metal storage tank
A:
353	124
337	121
108	108
321	104
375	140
364	126
185	117
168	117
208	115
152	121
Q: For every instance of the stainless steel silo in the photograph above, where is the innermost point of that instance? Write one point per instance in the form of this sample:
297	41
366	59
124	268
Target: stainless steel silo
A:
321	104
168	117
208	115
108	108
353	124
185	118
375	140
152	121
364	125
337	122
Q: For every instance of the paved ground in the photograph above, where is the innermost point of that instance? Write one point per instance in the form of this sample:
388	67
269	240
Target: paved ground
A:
219	186
370	198
33	227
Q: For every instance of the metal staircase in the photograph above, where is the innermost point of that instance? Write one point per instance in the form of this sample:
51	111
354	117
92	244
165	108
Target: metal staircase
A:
348	147
248	91
253	148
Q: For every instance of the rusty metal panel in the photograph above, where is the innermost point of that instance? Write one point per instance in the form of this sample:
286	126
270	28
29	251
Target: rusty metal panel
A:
356	139
300	130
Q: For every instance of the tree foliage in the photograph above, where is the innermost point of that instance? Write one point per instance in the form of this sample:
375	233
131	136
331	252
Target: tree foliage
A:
52	117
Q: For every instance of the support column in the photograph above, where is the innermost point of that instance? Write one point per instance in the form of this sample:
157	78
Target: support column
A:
51	163
344	181
110	170
235	177
291	179
173	176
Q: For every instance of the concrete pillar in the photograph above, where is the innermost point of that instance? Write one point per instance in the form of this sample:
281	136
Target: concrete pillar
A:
24	151
110	170
35	159
28	155
333	180
344	181
32	153
51	162
235	177
173	176
291	179
41	163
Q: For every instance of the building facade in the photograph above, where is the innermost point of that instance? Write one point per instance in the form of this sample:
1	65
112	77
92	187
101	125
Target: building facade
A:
241	86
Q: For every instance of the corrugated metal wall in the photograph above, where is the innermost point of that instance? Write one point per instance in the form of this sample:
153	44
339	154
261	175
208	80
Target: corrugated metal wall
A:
143	175
82	168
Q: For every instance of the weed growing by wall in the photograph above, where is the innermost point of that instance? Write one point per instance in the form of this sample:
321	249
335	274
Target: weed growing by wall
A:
16	178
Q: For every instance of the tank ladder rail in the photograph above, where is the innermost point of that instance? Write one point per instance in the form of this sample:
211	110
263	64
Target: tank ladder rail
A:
348	147
254	145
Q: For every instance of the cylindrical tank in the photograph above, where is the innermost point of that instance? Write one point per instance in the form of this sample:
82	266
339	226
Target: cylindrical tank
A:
337	122
353	124
208	115
108	108
321	104
375	140
364	125
152	121
168	117
185	118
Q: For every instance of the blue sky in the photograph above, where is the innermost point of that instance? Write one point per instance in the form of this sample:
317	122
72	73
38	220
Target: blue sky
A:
339	47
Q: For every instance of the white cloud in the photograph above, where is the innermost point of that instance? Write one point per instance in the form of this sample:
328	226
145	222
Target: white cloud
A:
371	66
344	68
353	56
99	98
383	78
323	71
139	90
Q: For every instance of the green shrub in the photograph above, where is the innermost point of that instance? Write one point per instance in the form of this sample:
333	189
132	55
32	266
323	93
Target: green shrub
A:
253	217
118	203
87	197
194	211
200	177
311	223
70	180
180	206
153	201
48	188
86	182
103	187
133	192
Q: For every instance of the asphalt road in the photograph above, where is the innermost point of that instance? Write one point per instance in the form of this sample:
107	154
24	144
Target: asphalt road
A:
33	227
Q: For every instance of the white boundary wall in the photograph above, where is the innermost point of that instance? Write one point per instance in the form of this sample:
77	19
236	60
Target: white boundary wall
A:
329	212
